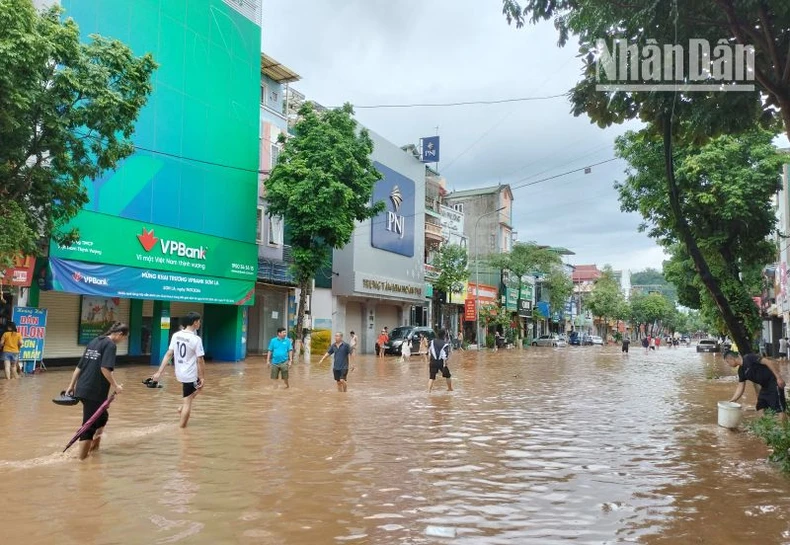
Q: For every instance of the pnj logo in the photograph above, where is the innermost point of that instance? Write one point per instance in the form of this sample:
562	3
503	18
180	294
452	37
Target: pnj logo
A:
395	222
148	240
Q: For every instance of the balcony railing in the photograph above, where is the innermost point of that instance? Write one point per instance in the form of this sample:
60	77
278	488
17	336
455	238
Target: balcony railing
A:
433	231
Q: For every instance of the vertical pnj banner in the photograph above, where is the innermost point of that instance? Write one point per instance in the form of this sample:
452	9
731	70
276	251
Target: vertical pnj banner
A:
430	149
32	325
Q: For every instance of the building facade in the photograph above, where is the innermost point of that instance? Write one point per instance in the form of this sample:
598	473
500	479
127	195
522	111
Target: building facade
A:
172	230
274	290
378	279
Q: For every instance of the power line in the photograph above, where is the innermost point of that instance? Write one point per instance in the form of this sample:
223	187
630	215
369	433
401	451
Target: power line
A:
451	104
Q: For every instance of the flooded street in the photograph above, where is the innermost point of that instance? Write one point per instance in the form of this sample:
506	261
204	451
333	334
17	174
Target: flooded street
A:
540	446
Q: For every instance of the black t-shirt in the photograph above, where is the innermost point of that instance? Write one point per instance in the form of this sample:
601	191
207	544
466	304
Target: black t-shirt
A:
91	384
753	370
439	353
341	355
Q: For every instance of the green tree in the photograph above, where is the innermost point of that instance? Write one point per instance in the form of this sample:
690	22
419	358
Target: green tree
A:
651	308
691	117
322	185
727	186
530	259
67	113
653	280
606	300
452	264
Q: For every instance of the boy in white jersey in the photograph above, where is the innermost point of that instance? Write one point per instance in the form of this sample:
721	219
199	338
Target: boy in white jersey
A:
186	349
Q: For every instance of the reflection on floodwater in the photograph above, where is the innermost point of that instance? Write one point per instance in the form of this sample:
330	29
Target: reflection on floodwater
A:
539	446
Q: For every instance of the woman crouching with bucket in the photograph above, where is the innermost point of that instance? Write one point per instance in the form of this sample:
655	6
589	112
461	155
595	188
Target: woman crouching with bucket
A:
762	372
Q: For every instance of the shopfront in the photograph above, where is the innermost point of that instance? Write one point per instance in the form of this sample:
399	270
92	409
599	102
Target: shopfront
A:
163	235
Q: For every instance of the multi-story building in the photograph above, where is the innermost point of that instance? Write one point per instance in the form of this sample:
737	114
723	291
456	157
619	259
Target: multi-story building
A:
172	230
274	291
378	279
488	229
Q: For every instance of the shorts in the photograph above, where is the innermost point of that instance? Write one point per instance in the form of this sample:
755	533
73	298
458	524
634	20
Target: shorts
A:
772	397
435	368
280	369
625	349
340	374
89	408
13	357
189	388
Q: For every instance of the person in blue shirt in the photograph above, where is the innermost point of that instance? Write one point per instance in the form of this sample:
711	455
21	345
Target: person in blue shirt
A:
280	355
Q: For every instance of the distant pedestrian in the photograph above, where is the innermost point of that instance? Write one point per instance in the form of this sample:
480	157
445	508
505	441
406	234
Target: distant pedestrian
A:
352	342
439	352
186	349
280	356
405	351
381	342
10	345
424	348
341	352
658	343
763	372
645	344
91	383
652	342
626	344
460	339
783	348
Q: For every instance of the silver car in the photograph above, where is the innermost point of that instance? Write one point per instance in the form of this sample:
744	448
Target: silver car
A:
552	340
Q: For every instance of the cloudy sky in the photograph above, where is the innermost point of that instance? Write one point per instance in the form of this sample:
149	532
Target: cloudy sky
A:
371	52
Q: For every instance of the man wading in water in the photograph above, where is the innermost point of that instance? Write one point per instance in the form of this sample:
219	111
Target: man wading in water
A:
186	349
439	352
341	351
91	383
762	372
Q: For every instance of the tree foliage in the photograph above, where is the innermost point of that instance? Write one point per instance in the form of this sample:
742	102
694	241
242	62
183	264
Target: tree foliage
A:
560	287
726	187
650	308
452	264
67	113
322	185
606	300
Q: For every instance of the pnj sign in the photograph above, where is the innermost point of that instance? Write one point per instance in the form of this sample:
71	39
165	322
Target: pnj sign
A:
393	229
700	66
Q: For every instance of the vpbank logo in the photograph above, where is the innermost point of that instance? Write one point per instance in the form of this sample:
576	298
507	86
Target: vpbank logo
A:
148	241
92	280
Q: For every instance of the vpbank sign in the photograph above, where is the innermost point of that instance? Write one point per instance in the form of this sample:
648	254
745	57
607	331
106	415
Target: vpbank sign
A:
172	247
393	229
112	240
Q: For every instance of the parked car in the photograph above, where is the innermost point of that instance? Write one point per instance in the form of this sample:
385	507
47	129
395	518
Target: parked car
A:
552	340
575	338
587	340
408	333
708	345
596	340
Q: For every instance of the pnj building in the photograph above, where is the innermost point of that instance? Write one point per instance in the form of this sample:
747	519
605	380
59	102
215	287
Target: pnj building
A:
172	230
378	278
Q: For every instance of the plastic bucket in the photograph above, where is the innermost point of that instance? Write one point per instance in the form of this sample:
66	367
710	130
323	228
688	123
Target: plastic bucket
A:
729	414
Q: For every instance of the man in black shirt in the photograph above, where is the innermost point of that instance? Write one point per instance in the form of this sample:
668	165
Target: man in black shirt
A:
91	383
342	351
762	372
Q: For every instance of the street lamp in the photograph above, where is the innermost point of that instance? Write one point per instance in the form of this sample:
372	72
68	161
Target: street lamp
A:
477	275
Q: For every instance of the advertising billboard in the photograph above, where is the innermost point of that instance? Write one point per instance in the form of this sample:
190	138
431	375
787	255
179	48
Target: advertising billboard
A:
196	163
393	229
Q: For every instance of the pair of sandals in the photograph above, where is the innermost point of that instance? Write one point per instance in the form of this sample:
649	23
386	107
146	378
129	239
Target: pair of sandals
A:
65	399
151	383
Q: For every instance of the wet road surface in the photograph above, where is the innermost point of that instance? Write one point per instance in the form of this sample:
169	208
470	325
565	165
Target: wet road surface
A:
541	446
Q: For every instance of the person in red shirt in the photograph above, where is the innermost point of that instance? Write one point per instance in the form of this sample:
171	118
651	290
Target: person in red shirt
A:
658	343
381	341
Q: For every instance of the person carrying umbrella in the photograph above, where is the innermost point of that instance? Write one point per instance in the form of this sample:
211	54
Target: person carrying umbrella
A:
91	382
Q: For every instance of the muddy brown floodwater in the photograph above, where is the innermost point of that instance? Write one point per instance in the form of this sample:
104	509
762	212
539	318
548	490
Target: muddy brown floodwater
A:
540	446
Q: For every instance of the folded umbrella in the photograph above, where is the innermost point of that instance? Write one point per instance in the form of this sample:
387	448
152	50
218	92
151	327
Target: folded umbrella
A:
100	411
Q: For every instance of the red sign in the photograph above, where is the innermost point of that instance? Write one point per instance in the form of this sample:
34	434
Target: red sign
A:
21	274
484	292
470	314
